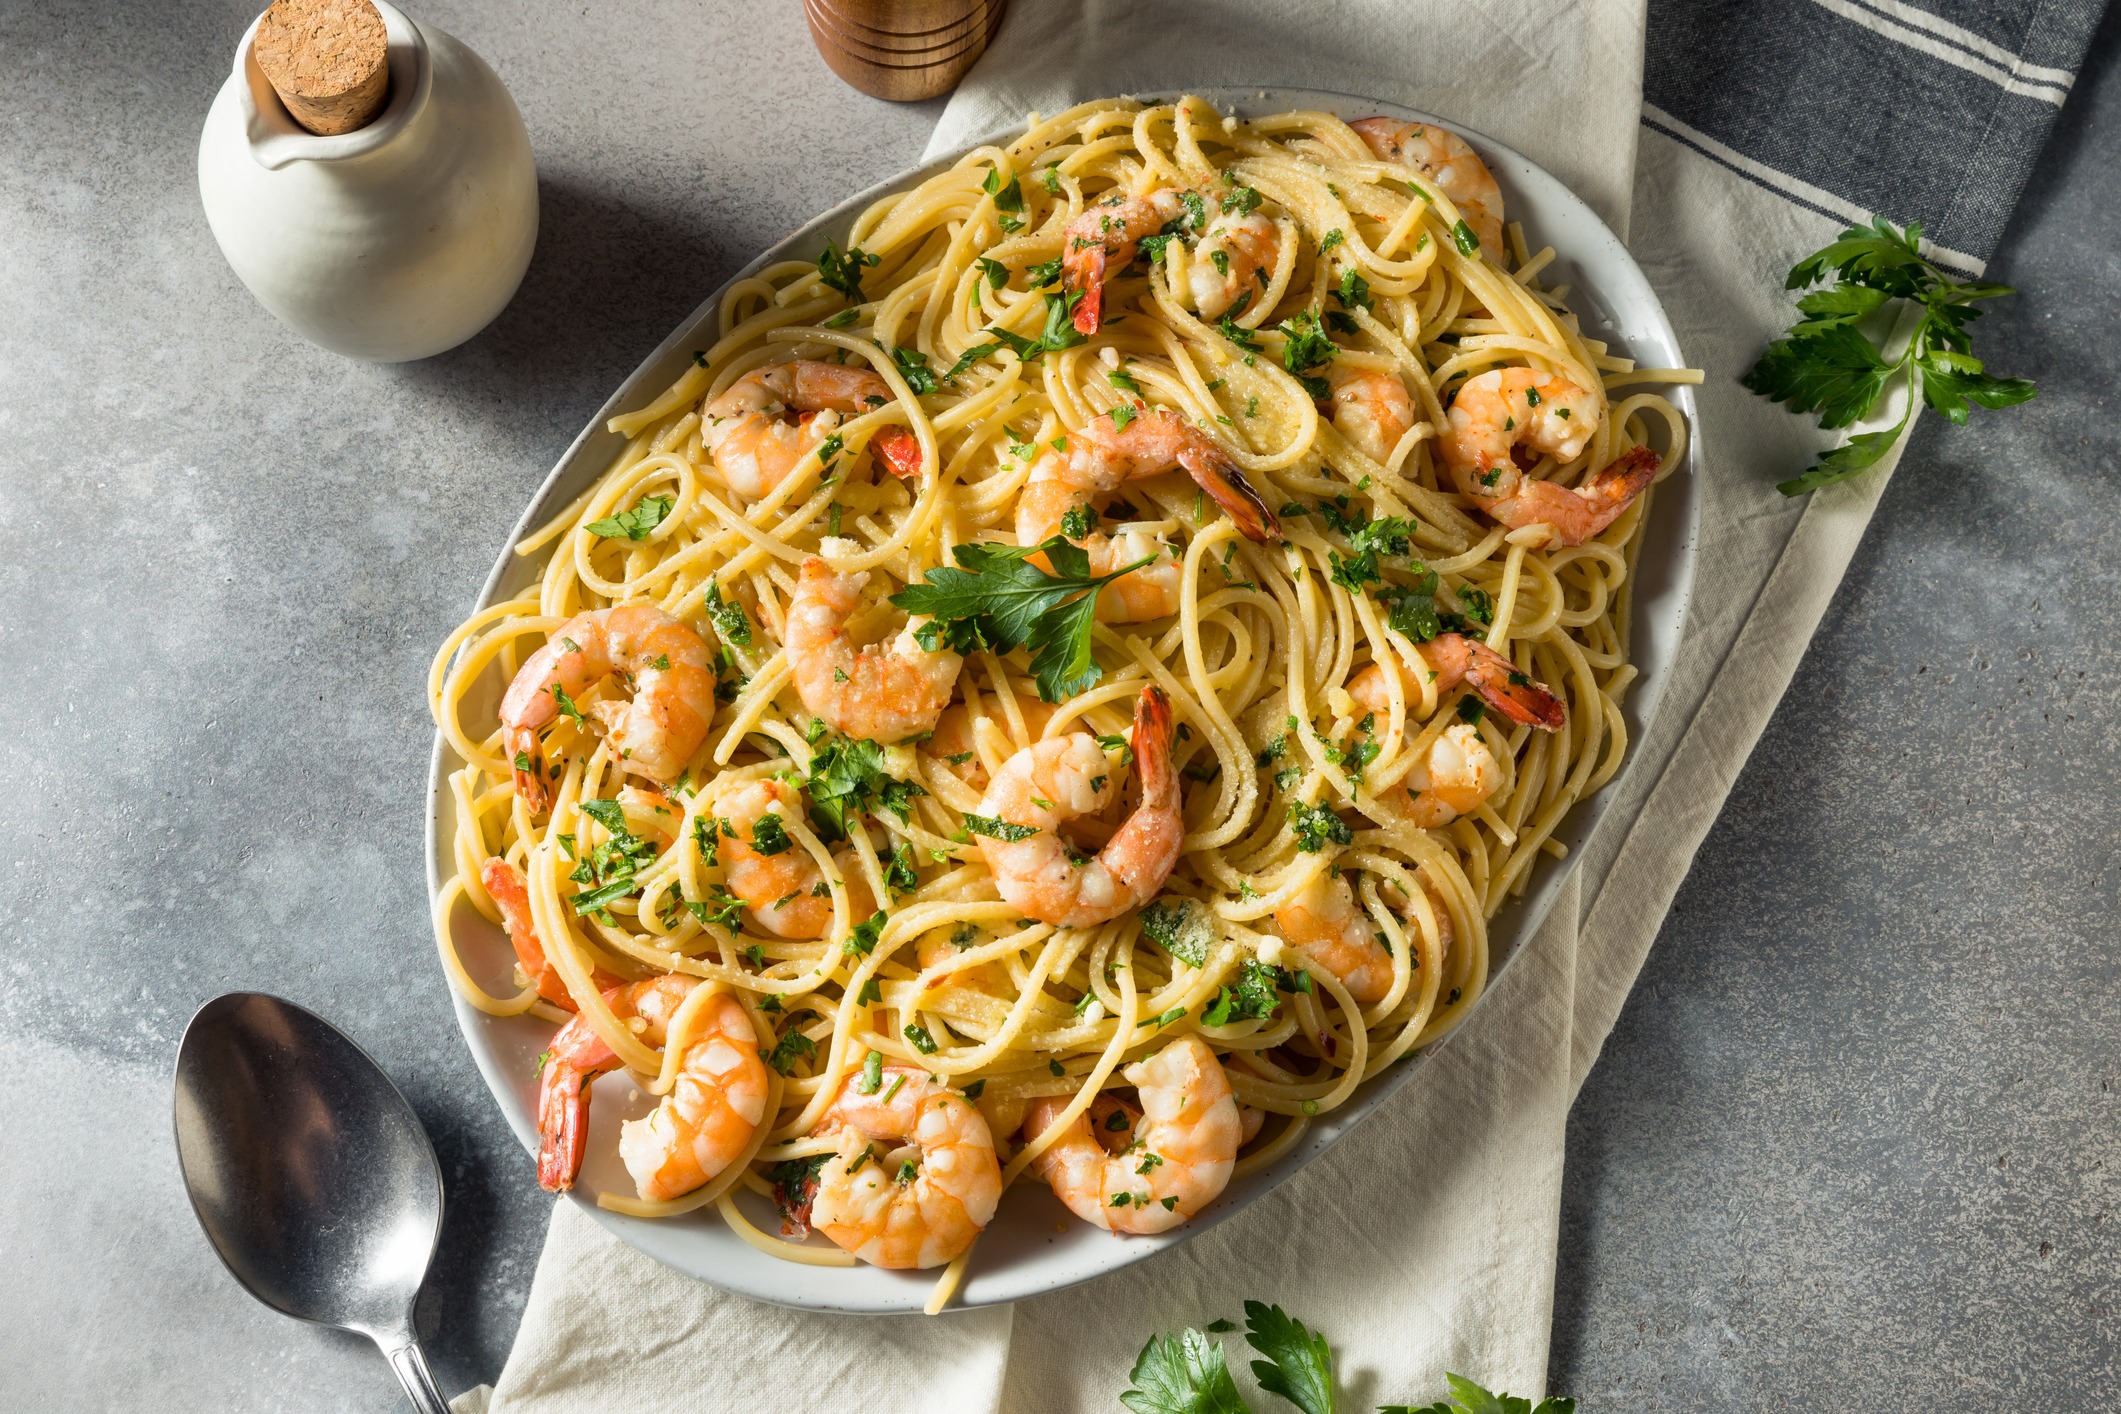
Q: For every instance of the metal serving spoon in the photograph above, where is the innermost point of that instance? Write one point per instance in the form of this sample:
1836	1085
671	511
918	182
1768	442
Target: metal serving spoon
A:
311	1175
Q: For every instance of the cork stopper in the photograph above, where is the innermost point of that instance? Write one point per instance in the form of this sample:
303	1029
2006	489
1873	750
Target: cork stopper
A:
327	59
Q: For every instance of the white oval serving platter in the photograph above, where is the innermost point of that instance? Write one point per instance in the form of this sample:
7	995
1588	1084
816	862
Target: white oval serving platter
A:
1033	1247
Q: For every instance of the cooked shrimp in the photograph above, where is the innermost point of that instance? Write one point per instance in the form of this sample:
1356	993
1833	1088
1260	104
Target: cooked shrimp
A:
1107	234
706	1121
782	888
1371	408
1326	924
1330	928
1453	658
754	443
935	949
655	732
1172	1163
1504	408
879	693
954	745
1104	455
578	1055
1235	254
1456	775
1445	159
1063	778
508	891
915	1177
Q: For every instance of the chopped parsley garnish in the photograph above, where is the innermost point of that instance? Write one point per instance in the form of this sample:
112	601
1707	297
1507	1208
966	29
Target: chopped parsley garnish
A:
1046	272
608	870
1078	521
1179	929
1006	198
920	1040
1411	609
1462	236
848	775
791	1049
1004	830
1316	827
1121	379
769	835
1240	201
1196	209
731	624
842	270
1307	348
900	876
843	318
1471	709
913	367
634	524
995	599
721	911
1253	997
1050	178
997	273
1354	292
872	1074
862	940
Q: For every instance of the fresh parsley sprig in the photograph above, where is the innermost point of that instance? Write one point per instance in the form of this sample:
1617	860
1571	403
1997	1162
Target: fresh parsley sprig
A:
1186	1374
995	599
1827	365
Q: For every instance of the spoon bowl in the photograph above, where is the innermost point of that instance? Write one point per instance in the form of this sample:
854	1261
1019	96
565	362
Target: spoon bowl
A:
310	1173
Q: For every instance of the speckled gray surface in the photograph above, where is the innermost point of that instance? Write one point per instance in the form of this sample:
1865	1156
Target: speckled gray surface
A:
227	557
1855	1141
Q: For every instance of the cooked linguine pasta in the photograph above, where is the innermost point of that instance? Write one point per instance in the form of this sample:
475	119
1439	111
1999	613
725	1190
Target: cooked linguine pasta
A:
1061	685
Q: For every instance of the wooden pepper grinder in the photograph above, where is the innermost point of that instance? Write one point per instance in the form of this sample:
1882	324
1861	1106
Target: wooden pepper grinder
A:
902	50
327	59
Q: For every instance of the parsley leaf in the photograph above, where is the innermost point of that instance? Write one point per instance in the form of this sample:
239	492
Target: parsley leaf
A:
843	270
900	876
731	625
1176	929
1046	272
1298	1367
1004	830
913	367
844	775
1253	997
1183	1374
1411	609
1307	346
1354	292
634	524
1196	208
1462	236
789	1050
997	273
1826	364
770	836
1241	201
1317	827
1004	602
1006	198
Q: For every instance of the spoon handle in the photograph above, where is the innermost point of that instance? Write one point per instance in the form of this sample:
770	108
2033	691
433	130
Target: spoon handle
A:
409	1363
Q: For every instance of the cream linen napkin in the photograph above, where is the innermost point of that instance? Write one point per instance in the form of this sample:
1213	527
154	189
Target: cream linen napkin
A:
1426	1241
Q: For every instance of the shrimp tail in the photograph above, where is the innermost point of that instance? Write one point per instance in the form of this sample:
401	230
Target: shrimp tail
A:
1510	692
1144	849
1222	479
522	747
898	450
563	1126
1621	481
1085	267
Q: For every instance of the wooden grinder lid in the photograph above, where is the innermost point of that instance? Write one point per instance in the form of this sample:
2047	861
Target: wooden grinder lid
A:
328	61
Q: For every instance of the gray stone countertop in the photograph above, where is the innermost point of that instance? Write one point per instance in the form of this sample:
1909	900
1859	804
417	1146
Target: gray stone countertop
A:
1853	1131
